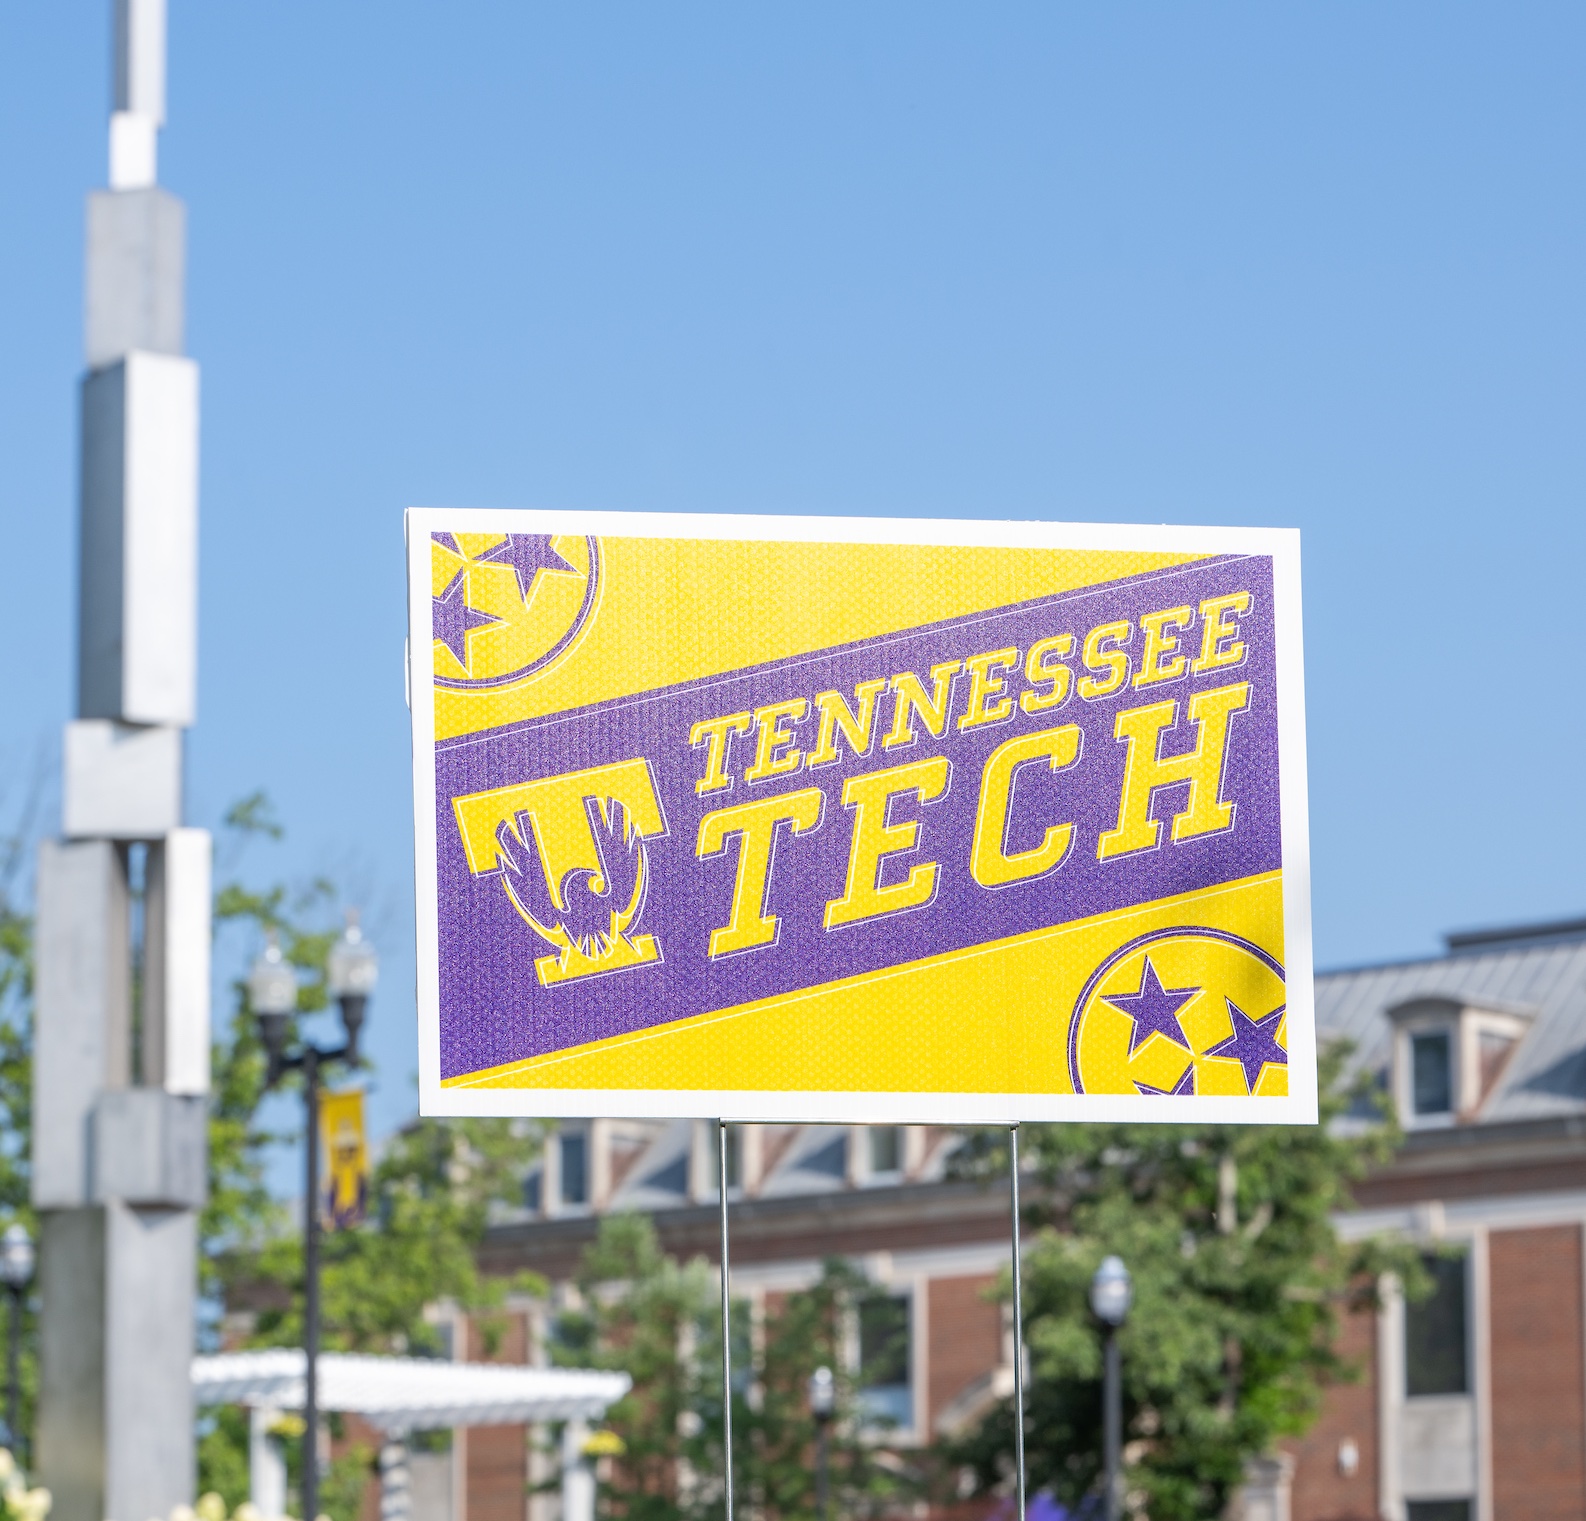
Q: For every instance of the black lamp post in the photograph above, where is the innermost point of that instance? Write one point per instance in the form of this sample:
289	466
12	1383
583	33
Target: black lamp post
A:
1111	1294
351	971
823	1404
16	1272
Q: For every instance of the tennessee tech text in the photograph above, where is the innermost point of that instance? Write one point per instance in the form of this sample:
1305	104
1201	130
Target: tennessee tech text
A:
570	824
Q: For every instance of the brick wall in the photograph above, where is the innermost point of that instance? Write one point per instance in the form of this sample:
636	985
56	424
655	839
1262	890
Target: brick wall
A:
965	1338
1349	1413
1538	1382
496	1457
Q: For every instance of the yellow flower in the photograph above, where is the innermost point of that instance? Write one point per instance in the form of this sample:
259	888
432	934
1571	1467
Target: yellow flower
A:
210	1507
34	1504
603	1444
287	1426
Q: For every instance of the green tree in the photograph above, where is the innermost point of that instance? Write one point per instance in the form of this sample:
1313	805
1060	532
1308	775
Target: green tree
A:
16	1064
640	1311
810	1329
645	1313
432	1191
1239	1278
433	1186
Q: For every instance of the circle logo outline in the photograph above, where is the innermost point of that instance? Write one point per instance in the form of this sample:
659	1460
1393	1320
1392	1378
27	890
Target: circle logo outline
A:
1151	937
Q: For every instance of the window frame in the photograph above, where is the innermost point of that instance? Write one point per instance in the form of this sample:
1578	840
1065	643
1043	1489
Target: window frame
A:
883	1175
1465	1257
913	1291
582	1134
1420	1040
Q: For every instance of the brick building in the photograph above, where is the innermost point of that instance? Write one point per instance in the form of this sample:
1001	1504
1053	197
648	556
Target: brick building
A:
798	1194
1473	1404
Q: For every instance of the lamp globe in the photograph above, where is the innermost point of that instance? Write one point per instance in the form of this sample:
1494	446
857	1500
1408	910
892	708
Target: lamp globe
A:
1111	1291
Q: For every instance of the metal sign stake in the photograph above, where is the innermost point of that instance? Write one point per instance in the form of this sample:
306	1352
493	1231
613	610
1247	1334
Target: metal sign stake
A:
726	1315
1018	1320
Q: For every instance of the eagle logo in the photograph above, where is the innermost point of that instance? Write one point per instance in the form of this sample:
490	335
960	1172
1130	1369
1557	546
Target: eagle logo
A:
589	915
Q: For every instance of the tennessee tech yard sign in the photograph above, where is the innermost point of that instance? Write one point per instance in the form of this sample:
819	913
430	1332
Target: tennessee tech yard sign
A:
842	819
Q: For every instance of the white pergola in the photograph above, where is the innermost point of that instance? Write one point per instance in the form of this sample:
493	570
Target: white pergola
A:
399	1395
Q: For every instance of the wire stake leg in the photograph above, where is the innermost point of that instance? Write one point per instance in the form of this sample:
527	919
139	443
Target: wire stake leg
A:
1018	1321
726	1318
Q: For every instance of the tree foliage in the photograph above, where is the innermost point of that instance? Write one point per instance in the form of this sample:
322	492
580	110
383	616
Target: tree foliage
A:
1240	1279
432	1189
1239	1282
16	1065
657	1319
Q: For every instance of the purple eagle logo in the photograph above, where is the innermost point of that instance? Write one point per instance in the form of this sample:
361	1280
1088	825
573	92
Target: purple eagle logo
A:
589	915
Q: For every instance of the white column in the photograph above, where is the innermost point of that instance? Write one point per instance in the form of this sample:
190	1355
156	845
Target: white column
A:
266	1465
396	1482
578	1474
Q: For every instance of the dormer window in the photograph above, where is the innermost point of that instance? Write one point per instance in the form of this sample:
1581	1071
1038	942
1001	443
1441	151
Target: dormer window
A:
1449	1058
1432	1074
574	1168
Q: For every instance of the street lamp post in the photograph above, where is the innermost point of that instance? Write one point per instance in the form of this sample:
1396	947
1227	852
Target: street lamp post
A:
1111	1294
823	1404
350	974
16	1272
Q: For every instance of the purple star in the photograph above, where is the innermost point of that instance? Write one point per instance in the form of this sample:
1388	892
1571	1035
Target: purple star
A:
1154	1009
527	554
1185	1084
1253	1044
454	619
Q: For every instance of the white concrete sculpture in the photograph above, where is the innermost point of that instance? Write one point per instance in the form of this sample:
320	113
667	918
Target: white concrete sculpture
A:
118	1103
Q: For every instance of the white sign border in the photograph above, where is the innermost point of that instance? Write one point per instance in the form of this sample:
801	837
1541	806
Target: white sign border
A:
1299	1107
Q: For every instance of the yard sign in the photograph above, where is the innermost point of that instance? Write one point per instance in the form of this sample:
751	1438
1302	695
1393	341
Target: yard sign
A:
850	819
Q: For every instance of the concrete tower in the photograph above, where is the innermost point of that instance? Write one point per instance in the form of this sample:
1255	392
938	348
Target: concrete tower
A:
121	1060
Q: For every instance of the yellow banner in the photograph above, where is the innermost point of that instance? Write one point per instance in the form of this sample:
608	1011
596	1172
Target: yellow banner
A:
345	1177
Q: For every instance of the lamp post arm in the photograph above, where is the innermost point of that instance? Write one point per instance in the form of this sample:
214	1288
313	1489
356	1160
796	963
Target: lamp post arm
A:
281	1064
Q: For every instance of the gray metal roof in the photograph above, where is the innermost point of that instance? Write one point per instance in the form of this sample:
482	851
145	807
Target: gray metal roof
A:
1542	972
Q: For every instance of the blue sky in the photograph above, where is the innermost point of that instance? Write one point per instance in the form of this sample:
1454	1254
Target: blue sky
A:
1301	265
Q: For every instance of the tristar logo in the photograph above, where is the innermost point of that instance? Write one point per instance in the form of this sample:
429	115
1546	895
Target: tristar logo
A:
506	606
570	853
1184	1010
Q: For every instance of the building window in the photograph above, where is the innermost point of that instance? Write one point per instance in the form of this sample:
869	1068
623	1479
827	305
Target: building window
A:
670	1179
830	1160
1431	1073
575	1167
886	1148
1437	1510
1435	1333
886	1395
734	1158
534	1192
